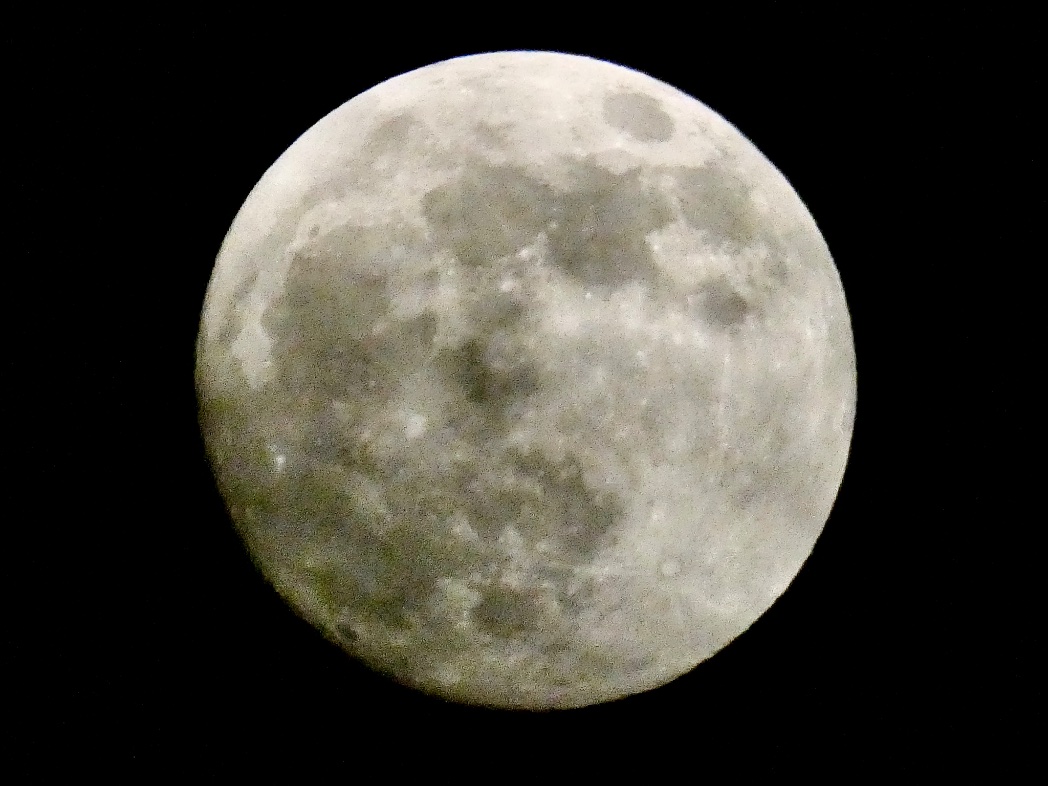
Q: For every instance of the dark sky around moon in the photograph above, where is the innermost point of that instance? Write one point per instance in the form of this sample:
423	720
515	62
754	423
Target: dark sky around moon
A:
138	632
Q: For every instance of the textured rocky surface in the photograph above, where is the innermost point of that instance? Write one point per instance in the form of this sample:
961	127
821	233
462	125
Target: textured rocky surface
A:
527	379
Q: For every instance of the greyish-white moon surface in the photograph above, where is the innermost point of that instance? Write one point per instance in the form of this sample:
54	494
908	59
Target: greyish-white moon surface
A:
527	379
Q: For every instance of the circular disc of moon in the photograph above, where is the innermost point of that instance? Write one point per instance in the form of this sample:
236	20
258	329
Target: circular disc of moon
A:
527	379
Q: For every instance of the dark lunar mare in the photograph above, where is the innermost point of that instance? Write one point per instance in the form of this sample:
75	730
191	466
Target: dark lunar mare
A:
597	230
488	212
639	115
325	351
601	224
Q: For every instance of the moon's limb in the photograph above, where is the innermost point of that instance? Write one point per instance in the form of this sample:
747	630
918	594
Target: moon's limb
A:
527	379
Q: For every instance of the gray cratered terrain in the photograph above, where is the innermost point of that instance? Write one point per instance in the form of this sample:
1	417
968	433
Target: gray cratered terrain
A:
527	379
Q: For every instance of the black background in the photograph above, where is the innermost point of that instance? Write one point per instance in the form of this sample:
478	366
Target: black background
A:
138	636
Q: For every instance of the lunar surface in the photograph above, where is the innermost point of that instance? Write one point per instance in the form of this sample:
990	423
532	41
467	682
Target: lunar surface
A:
527	379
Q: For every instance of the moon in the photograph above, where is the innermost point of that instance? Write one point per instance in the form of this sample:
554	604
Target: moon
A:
527	379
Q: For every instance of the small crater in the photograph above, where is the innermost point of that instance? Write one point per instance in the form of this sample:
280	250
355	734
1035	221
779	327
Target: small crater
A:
506	612
639	115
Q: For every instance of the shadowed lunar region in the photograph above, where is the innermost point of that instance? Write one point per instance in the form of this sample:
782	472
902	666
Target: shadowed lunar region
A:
527	379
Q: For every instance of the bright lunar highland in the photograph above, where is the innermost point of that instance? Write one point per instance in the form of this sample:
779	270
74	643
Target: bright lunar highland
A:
527	379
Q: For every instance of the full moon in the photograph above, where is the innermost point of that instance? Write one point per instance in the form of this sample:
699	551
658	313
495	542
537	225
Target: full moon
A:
527	379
